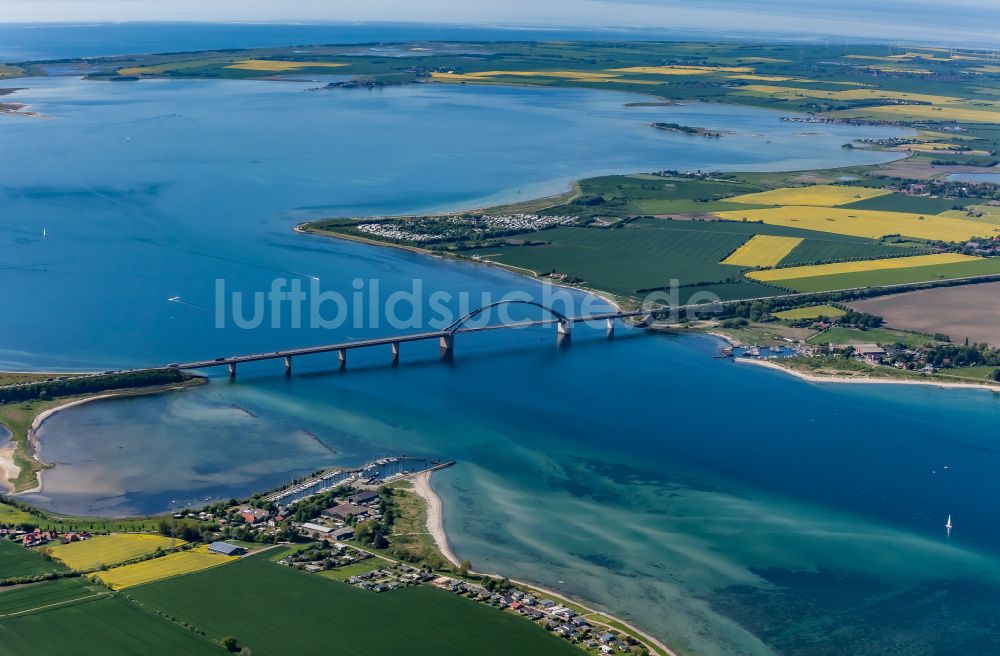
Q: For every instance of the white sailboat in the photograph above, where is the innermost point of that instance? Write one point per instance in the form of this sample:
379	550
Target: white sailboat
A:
947	525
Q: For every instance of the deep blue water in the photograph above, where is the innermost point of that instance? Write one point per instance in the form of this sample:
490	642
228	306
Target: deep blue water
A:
730	509
23	42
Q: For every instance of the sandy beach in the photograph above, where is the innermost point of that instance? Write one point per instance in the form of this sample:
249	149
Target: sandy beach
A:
435	515
435	526
8	470
863	380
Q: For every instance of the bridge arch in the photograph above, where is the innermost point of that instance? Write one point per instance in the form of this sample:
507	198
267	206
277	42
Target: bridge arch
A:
454	327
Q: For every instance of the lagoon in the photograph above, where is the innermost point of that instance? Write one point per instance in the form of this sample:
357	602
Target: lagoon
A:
728	509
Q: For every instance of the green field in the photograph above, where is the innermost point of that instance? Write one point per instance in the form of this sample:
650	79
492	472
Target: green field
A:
42	596
15	561
625	195
99	627
814	251
906	203
974	374
648	253
278	610
347	571
840	335
988	266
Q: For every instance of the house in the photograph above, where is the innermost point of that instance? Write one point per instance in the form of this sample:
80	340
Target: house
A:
254	515
316	530
870	352
345	533
475	590
37	537
606	637
346	510
226	549
363	498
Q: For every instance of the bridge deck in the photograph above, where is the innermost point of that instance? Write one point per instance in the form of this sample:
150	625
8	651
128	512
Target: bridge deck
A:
384	341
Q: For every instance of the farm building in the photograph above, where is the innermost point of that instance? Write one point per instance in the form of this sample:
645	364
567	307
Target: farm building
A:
345	510
345	533
870	352
363	498
226	549
317	530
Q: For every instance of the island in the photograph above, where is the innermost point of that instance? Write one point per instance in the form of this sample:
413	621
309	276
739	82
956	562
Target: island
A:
818	273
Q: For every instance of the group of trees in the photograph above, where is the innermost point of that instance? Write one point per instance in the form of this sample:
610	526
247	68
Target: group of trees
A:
962	355
374	532
91	384
187	531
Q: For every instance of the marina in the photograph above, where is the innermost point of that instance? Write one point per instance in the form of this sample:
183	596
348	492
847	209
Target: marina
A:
372	474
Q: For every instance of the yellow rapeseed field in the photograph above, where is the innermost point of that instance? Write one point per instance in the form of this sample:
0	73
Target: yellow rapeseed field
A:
896	112
493	76
763	78
811	312
175	564
872	224
850	94
269	65
683	70
824	195
811	271
109	549
763	251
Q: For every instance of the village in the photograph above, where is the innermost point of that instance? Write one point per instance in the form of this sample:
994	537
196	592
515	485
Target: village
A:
336	526
459	227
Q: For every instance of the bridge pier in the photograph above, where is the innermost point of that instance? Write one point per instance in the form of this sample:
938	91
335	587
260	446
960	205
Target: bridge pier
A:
447	345
611	328
232	369
342	358
395	352
288	365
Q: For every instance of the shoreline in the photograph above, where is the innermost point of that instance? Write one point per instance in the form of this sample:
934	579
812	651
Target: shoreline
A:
304	229
31	445
435	526
865	380
8	470
435	515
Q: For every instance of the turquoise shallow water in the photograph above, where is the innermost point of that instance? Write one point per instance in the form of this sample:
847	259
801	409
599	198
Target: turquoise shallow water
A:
729	509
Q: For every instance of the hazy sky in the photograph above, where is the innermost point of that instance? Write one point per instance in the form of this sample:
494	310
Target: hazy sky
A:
957	21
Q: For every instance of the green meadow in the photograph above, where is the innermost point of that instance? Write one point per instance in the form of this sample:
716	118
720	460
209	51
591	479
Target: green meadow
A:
273	609
16	561
98	627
